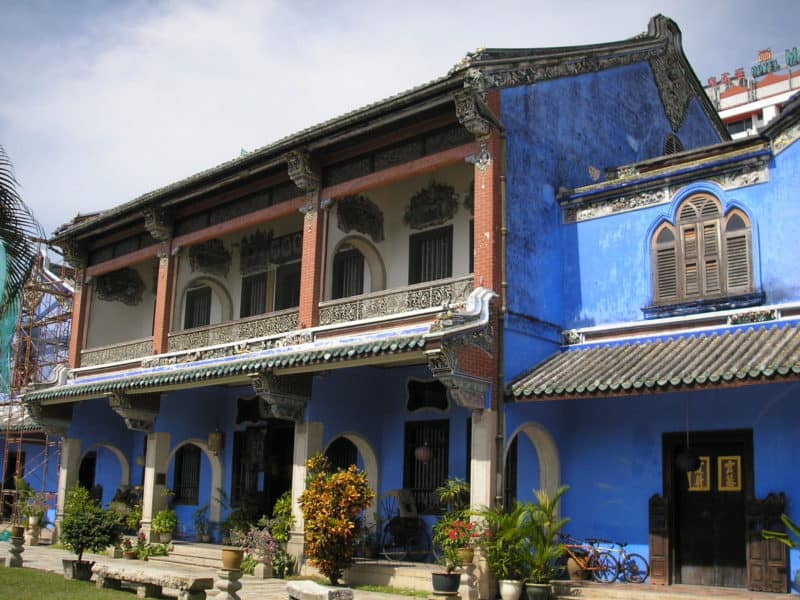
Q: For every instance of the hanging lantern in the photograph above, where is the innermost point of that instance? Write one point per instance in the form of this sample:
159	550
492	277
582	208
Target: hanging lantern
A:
687	461
216	441
423	453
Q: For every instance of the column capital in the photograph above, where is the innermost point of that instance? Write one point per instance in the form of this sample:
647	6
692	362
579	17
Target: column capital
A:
158	222
138	416
472	113
286	397
302	171
75	253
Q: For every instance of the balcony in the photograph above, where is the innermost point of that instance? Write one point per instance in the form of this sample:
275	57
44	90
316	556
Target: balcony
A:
115	353
273	323
419	297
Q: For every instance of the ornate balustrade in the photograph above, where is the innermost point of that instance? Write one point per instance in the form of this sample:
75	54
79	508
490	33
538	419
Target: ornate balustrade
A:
399	300
254	327
112	353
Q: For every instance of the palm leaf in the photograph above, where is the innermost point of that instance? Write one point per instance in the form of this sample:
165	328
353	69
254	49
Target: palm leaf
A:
18	228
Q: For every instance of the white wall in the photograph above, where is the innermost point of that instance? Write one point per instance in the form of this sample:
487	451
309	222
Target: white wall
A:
116	322
393	200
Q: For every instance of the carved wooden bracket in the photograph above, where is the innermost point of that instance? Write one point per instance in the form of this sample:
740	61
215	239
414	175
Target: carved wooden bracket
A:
302	171
75	253
138	417
469	107
52	419
465	390
286	397
158	223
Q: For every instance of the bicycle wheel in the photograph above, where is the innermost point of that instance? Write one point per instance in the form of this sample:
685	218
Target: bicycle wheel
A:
418	544
604	567
635	568
393	545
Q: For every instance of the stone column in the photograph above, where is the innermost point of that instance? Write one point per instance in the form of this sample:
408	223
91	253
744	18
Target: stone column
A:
483	484
67	477
155	479
307	443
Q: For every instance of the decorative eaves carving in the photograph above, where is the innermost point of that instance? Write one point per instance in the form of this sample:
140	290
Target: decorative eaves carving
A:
359	213
123	285
673	87
75	253
139	416
286	397
158	223
434	204
469	111
210	257
465	390
52	419
302	171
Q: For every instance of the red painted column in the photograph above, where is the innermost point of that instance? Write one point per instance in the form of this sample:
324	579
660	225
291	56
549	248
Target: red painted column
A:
79	318
165	299
312	265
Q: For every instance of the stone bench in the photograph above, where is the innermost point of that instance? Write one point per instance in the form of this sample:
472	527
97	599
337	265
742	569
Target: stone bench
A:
310	590
149	581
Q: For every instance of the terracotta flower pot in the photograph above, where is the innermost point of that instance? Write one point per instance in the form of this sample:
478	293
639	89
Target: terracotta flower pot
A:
232	558
465	555
17	531
130	554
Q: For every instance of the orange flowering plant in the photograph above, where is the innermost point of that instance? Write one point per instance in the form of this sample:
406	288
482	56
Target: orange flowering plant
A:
332	505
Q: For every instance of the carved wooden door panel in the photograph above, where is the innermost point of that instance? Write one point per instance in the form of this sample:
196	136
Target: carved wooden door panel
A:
767	560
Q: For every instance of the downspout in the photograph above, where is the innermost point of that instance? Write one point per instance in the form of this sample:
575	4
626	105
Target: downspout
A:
500	439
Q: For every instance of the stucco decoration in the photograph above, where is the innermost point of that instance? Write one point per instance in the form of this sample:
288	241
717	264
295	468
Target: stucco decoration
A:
435	204
210	257
359	213
673	87
255	252
123	352
124	285
286	396
75	253
139	414
301	170
158	223
572	336
55	420
754	316
470	112
465	390
786	139
456	321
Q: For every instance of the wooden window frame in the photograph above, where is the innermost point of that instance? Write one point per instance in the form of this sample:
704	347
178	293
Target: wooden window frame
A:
415	260
187	492
191	294
340	262
245	308
700	252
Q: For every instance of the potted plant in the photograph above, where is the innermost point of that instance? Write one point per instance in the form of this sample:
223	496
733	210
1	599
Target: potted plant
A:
453	533
332	505
543	529
128	550
505	541
164	523
259	544
280	526
85	527
202	524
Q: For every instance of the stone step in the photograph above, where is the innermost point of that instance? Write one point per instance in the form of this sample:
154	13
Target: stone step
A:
213	551
186	561
564	590
415	576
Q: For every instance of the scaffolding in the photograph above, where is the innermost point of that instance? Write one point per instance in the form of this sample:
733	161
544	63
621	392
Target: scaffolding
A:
39	344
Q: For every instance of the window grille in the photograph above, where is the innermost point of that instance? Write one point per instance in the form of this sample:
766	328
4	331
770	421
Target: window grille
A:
186	479
198	308
287	286
254	295
420	478
348	273
430	255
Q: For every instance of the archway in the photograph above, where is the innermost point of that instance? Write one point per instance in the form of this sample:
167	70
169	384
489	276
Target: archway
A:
215	502
220	293
546	452
370	461
124	467
377	270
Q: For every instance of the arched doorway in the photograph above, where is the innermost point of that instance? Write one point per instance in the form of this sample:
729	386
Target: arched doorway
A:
365	458
531	461
104	469
209	463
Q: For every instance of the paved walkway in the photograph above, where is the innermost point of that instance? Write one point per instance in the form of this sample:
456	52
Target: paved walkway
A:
49	559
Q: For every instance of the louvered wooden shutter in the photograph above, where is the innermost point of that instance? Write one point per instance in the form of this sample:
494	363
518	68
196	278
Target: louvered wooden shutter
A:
666	267
711	259
738	255
691	276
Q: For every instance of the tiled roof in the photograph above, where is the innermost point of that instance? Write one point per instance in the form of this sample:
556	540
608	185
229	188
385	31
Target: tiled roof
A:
232	368
747	355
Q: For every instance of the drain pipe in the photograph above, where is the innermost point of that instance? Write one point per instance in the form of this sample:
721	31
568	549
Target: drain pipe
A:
500	438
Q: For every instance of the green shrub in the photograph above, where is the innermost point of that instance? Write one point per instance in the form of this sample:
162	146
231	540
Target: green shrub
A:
86	526
165	521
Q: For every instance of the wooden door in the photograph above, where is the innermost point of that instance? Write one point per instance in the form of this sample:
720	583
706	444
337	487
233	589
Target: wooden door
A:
709	509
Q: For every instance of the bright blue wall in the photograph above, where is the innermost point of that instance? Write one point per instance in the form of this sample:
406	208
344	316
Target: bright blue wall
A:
611	450
557	132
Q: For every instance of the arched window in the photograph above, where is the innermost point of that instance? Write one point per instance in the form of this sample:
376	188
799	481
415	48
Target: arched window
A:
704	255
673	145
348	273
186	475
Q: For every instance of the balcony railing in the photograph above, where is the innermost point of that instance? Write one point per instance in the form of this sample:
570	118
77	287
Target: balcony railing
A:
231	331
112	353
399	300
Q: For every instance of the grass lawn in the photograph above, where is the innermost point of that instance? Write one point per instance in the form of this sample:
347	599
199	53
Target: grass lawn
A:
32	584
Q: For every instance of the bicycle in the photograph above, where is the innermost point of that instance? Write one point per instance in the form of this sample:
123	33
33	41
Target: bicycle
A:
405	535
634	566
601	564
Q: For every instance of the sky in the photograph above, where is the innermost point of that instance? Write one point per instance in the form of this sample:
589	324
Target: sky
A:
102	101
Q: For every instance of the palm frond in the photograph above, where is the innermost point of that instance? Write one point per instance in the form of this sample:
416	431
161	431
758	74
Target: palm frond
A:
18	227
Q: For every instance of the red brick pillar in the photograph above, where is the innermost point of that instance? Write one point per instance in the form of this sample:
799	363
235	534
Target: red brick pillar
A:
80	315
165	299
312	264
